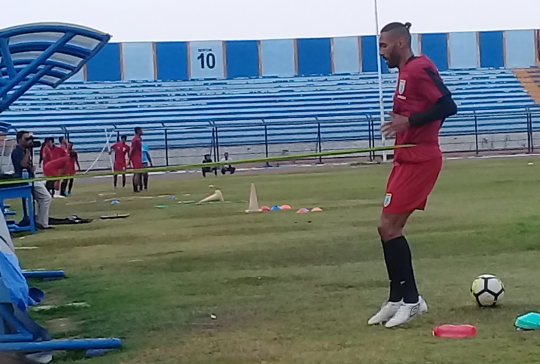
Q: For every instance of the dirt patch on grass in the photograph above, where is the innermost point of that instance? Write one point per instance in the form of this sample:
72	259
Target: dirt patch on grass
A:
54	299
217	323
62	325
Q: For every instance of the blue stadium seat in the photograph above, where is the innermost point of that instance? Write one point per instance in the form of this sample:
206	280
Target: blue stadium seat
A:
240	108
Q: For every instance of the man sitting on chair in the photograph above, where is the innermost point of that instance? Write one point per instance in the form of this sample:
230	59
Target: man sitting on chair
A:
227	168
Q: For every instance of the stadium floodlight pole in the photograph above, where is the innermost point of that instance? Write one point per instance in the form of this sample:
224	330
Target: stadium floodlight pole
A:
379	72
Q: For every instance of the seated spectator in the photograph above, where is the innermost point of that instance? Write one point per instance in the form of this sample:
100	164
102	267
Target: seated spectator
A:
227	168
21	158
206	170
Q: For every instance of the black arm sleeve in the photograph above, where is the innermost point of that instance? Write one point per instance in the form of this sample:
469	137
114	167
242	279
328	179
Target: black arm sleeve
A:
443	108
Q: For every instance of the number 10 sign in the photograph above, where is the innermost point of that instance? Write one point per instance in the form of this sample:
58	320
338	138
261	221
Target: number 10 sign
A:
206	59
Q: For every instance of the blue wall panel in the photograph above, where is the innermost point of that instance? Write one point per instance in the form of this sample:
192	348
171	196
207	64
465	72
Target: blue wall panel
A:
369	55
242	58
172	61
105	66
314	56
346	55
463	50
138	61
277	57
491	49
520	48
206	59
435	47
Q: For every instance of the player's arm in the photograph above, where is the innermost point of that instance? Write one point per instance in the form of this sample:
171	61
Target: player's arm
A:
430	85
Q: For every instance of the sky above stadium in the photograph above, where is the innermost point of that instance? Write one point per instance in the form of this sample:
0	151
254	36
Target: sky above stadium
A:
165	20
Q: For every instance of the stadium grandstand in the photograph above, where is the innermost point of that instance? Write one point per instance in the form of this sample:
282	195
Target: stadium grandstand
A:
272	97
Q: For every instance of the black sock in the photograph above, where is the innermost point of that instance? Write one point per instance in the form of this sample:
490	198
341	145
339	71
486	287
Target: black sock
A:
400	253
396	293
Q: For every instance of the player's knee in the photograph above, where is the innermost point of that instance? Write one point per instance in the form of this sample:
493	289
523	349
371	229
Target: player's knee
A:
388	230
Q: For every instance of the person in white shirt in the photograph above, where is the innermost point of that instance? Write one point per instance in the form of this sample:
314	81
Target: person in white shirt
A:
229	167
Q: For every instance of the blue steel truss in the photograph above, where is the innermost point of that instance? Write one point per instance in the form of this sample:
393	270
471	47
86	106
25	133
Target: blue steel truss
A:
43	53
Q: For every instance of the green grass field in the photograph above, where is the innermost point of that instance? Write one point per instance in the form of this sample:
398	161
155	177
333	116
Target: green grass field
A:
290	288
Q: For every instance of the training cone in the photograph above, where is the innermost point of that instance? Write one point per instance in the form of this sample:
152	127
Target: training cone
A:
303	210
285	207
217	196
316	209
253	202
265	208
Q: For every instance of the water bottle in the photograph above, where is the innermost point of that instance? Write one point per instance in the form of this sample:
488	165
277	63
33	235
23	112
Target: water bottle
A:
25	174
455	331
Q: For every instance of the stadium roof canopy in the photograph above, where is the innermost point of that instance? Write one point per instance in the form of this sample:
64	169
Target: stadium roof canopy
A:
43	53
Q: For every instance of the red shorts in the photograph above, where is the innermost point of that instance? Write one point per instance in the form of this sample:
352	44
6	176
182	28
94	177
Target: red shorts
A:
119	167
136	162
409	186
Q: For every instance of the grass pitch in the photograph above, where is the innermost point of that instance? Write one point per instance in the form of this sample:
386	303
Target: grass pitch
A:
293	288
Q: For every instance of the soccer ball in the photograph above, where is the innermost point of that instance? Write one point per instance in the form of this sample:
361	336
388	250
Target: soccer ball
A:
487	290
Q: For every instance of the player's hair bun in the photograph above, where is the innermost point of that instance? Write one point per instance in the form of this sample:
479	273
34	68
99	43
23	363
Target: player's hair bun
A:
407	25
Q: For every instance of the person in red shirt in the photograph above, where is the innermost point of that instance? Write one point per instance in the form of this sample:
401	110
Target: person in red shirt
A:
45	156
64	144
58	152
70	171
421	103
121	151
135	157
57	167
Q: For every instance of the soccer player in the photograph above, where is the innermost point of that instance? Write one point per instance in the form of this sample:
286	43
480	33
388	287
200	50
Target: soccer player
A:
45	156
58	166
121	151
58	152
146	160
45	153
70	171
421	104
135	157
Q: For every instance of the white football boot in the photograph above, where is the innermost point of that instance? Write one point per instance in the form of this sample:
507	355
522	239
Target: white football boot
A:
407	311
387	311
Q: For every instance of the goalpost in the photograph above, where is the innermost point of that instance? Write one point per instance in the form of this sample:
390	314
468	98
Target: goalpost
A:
107	147
161	135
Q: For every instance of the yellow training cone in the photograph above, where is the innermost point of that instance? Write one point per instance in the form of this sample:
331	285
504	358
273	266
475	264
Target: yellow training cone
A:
217	196
253	202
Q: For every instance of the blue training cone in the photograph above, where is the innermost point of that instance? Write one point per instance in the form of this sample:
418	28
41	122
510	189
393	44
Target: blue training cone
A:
275	208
